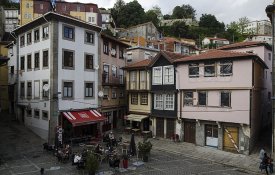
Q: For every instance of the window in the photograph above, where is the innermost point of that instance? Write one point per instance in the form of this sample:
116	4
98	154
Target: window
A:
45	32
22	89
106	47
29	89
121	53
67	89
202	98
27	5
121	94
113	51
209	69
105	92
93	19
133	79
269	96
225	99
29	38
89	19
45	58
114	93
158	101
157	75
68	32
134	98
12	70
269	56
22	63
45	94
36	60
168	75
188	99
121	76
226	68
193	70
144	99
89	61
22	40
114	71
41	6
44	115
36	35
105	73
169	102
89	92
78	8
89	37
29	62
142	79
36	114
68	59
29	112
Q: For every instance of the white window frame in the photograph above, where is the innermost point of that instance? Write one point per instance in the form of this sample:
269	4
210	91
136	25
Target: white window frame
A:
156	77
167	78
114	93
160	100
170	100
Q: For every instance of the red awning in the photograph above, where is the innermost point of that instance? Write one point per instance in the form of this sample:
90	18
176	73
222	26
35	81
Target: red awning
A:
78	118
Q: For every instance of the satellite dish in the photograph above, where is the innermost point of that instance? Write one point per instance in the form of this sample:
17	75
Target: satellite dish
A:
46	87
96	67
100	94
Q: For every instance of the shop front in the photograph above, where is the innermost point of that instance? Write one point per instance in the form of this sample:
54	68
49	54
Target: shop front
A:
81	125
137	123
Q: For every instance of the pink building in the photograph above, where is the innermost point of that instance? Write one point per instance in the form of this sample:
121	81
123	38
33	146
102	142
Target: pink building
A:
219	99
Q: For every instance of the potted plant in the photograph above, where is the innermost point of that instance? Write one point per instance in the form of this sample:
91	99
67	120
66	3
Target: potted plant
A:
144	149
92	164
125	159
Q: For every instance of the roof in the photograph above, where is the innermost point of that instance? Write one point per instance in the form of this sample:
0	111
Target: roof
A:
56	16
141	64
221	39
114	39
170	56
244	45
221	54
150	22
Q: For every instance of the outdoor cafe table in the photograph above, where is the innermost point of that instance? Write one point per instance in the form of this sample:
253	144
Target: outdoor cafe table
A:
146	134
135	131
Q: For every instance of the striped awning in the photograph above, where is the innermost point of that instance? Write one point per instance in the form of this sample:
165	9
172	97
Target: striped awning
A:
78	118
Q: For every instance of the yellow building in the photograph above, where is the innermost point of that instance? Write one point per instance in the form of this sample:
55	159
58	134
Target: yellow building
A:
4	95
139	96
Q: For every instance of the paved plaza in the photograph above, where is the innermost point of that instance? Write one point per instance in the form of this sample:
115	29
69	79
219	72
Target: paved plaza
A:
21	153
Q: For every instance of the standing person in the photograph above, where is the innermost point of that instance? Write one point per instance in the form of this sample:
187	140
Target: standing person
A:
265	163
261	155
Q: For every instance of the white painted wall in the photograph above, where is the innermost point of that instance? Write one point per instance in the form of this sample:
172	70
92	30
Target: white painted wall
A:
91	15
78	75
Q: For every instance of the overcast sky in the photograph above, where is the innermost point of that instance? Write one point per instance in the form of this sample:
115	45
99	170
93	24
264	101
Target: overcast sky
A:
224	10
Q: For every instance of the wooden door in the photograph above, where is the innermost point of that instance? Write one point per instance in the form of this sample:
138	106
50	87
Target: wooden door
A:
230	139
190	132
170	128
160	127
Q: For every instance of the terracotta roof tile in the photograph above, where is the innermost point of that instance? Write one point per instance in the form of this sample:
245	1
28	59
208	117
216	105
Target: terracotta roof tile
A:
242	45
140	64
216	54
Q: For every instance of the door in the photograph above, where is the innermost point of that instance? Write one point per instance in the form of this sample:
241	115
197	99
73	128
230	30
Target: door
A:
23	114
211	135
160	127
190	132
114	119
230	139
170	128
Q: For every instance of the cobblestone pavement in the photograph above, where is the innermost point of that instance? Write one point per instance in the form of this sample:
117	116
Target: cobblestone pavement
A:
21	153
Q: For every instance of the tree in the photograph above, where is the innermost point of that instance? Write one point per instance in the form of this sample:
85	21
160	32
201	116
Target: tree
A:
152	16
157	10
243	23
179	29
184	11
212	25
115	11
129	14
167	16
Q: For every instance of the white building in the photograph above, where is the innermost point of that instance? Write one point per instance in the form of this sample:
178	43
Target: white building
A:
262	38
262	27
11	19
214	42
58	77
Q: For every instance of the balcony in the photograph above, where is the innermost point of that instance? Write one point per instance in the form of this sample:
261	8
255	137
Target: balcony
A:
108	80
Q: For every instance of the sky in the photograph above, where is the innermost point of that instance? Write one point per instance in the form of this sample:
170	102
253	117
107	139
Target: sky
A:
225	10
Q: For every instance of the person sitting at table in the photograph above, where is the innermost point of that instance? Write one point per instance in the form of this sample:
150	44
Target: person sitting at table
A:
98	149
111	136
